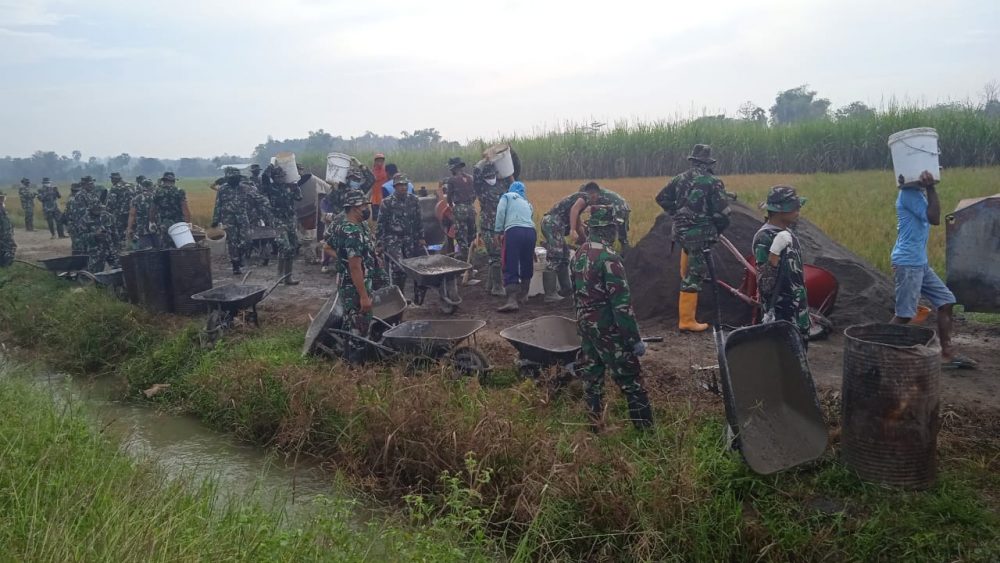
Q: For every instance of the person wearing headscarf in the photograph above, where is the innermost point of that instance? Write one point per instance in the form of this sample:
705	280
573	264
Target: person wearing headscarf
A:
514	220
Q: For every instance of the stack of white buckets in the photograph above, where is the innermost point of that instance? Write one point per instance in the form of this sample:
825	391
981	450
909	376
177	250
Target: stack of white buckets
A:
913	151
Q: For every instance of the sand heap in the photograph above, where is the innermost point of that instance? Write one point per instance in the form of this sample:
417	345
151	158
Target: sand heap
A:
865	294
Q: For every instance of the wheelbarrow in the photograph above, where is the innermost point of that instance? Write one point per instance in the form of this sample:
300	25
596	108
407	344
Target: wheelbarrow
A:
543	343
74	268
772	411
435	270
388	306
821	288
261	244
226	301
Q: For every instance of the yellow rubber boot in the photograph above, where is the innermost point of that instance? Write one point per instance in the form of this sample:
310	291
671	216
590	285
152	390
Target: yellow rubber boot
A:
686	307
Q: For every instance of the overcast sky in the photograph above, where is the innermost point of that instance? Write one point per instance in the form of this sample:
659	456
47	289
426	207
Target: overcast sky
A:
178	78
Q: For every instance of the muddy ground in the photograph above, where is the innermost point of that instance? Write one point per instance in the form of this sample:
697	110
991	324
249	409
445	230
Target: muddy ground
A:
669	367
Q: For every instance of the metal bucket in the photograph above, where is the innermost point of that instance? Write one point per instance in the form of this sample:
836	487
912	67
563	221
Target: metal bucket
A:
891	398
190	273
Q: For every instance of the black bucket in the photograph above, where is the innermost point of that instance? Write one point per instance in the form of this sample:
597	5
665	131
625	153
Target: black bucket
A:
891	399
149	272
190	273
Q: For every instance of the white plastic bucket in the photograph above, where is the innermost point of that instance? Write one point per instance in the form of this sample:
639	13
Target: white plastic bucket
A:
536	287
337	166
914	151
500	156
286	160
181	234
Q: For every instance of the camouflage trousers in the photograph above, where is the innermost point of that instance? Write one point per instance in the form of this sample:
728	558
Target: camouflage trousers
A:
602	354
29	217
398	247
556	249
54	220
288	241
696	271
237	241
101	254
489	238
792	305
121	225
353	321
465	225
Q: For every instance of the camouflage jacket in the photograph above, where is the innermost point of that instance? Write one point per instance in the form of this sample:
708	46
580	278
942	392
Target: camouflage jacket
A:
351	240
141	202
231	204
282	198
783	288
168	201
601	294
617	202
96	230
489	198
49	195
27	195
562	207
697	201
77	206
120	199
7	245
400	217
335	198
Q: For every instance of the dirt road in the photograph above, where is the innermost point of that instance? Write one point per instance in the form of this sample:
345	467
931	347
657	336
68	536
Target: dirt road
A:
667	367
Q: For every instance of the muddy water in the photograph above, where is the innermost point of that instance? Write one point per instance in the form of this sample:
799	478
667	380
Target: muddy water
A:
181	446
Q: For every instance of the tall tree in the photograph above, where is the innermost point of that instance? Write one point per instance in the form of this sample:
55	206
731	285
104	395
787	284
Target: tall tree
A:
797	105
854	110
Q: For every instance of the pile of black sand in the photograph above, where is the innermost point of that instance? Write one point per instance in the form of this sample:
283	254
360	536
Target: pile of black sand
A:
865	295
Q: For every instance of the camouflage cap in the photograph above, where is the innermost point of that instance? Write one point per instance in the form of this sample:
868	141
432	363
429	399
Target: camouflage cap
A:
702	153
255	166
74	187
231	171
146	183
168	177
25	181
601	216
400	179
87	180
781	199
354	198
116	175
455	162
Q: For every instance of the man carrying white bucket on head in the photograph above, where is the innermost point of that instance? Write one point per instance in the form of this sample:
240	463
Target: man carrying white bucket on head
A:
917	208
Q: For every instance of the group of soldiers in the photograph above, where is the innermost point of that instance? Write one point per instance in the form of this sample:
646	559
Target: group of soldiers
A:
101	222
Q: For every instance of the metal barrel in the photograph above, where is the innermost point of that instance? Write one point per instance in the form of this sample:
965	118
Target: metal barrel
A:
890	403
149	272
190	273
130	273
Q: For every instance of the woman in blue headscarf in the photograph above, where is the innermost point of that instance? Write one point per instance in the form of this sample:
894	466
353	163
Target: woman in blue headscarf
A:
514	220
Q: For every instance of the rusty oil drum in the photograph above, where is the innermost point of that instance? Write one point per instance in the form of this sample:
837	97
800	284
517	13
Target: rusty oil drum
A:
890	403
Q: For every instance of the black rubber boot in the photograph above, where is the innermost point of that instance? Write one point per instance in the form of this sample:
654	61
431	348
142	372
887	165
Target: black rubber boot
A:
236	268
565	281
639	410
288	270
595	412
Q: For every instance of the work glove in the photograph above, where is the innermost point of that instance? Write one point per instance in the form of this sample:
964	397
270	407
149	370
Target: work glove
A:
781	241
639	349
153	228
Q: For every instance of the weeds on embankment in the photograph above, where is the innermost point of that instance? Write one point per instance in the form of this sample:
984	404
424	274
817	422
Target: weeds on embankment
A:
67	493
508	462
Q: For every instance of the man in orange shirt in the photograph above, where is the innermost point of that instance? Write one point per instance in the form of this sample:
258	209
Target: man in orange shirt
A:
381	177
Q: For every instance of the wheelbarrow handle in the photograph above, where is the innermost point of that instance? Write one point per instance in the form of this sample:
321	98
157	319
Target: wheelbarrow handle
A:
245	276
275	285
652	339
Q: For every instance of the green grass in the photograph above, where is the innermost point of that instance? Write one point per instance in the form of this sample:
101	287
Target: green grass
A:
511	464
68	493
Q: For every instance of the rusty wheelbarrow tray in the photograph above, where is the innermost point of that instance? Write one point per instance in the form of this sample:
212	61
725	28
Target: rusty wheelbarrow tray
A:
544	342
435	270
225	301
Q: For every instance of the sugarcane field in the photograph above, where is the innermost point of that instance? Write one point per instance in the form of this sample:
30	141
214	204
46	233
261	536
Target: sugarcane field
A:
757	333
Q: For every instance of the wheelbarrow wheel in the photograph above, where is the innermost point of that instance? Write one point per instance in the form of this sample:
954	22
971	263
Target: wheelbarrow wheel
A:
469	361
448	308
86	279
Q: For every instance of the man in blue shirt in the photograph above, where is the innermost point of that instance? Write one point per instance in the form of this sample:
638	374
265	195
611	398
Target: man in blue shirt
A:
917	208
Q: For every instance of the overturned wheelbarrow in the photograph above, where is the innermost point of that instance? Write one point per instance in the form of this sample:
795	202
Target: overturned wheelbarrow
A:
435	270
388	306
543	343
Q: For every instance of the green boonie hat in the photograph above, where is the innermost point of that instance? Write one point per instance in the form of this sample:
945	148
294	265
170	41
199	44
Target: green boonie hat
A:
147	183
169	176
231	171
601	216
782	199
355	198
400	178
702	153
87	180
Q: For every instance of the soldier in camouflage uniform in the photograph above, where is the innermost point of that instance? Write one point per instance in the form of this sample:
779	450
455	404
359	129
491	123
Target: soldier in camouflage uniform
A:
119	205
555	227
350	245
697	201
8	248
49	197
169	206
603	196
780	278
76	206
608	330
137	231
461	194
255	175
282	196
97	231
489	189
400	229
27	196
231	205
